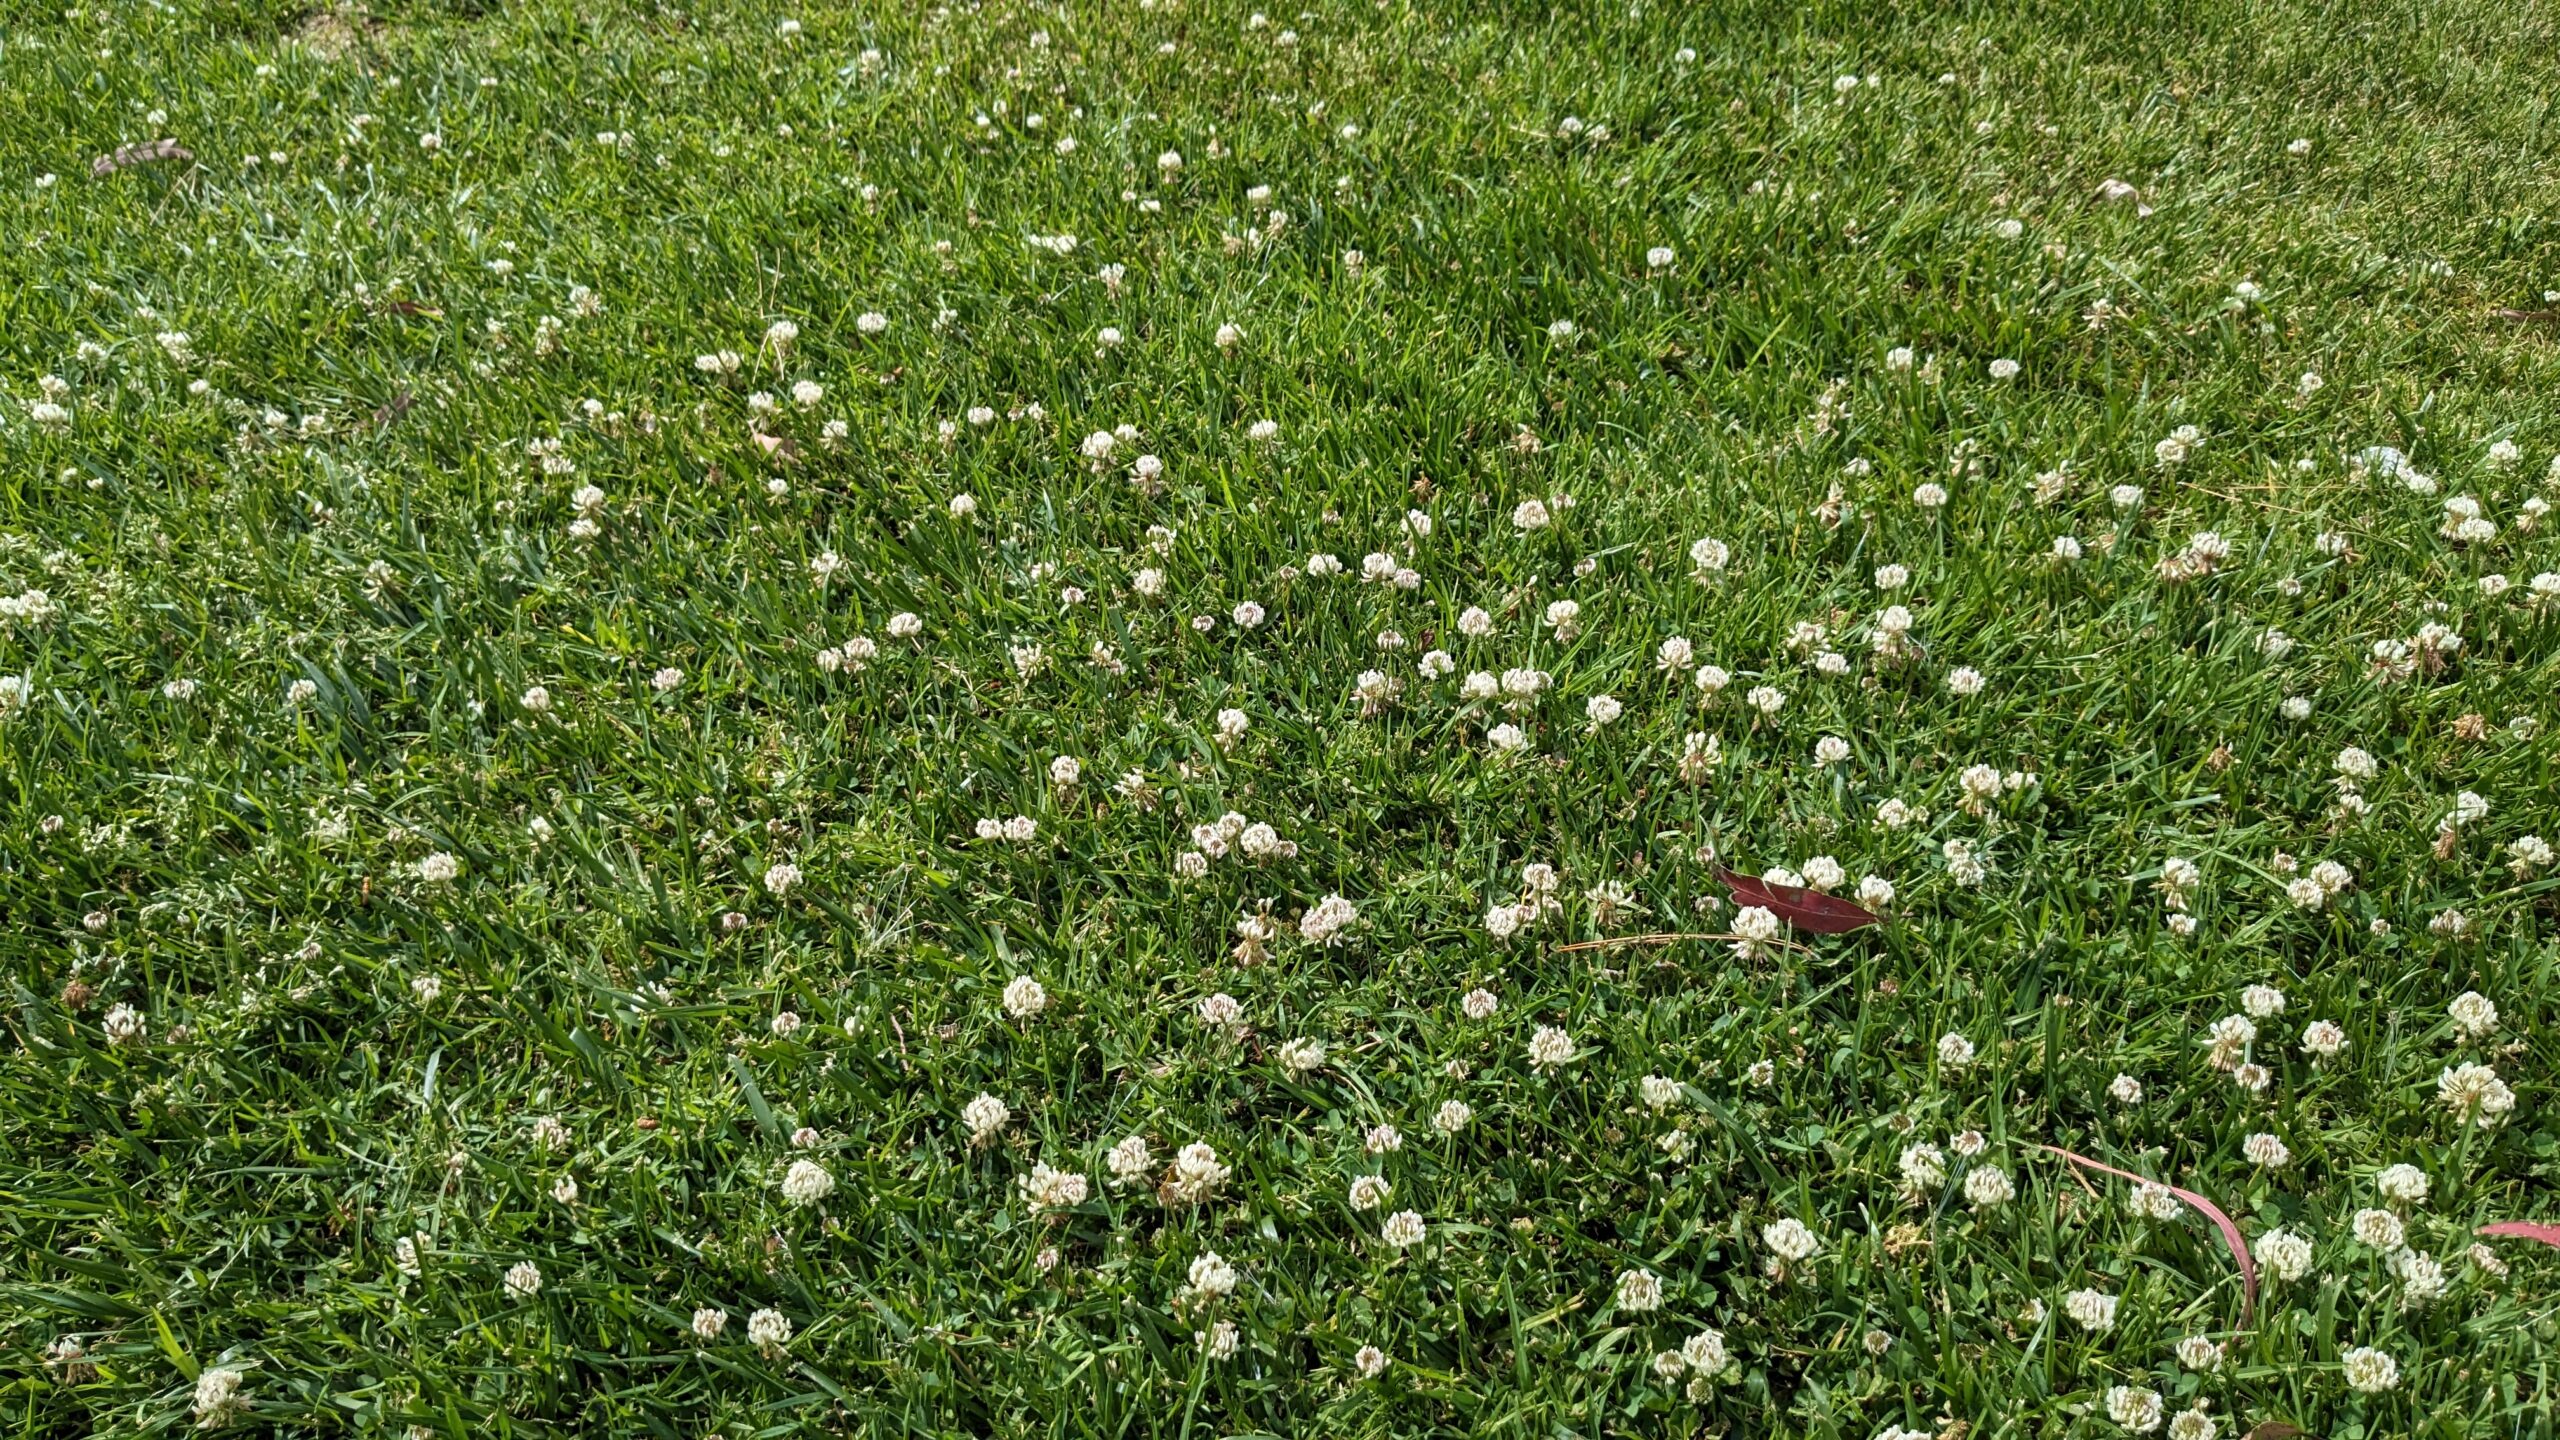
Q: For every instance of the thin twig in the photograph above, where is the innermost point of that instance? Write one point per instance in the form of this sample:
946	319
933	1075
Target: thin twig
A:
1666	939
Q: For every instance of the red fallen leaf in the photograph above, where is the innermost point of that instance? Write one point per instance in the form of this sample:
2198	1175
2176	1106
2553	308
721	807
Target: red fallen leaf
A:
1809	910
2231	1238
2525	1230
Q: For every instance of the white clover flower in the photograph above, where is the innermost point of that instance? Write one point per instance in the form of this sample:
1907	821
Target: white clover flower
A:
2474	1015
1754	928
2152	1201
218	1400
1550	1049
1024	997
1988	1187
2474	1090
2283	1254
1329	922
2369	1371
2379	1228
986	1117
1639	1290
2265	1151
2136	1408
1790	1239
807	1182
2093	1310
1129	1160
2402	1184
1052	1189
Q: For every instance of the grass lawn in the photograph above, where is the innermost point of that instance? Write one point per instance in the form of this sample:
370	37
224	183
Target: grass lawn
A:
1075	720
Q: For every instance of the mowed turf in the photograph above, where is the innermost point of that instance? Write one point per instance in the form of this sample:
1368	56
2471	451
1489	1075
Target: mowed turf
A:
1029	720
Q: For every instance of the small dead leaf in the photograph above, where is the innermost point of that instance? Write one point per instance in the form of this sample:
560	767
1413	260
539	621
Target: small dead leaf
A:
148	152
778	447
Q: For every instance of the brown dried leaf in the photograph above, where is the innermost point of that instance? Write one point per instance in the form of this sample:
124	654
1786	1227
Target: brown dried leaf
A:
148	152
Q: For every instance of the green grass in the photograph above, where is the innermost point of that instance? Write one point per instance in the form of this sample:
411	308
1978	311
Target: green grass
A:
345	511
